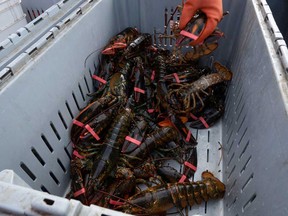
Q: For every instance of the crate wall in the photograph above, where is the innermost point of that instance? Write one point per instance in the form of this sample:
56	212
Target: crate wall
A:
252	132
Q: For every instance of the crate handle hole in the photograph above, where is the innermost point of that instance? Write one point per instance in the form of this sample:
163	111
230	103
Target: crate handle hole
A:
49	201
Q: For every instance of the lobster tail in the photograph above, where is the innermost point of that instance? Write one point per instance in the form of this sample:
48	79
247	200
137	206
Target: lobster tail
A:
215	188
223	71
159	199
161	67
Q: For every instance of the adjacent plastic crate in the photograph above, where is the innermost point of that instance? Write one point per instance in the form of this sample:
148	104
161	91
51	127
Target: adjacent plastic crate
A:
11	17
27	35
34	8
52	77
279	9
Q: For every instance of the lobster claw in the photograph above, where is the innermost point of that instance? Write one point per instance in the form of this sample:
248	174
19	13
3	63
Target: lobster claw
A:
139	84
78	189
111	50
183	130
190	165
209	117
135	137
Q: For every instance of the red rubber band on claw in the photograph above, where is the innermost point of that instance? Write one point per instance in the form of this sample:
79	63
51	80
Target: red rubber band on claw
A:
99	79
193	116
78	123
76	153
191	166
183	178
176	77
204	122
188	136
119	45
139	90
153	75
151	111
92	132
79	192
109	51
153	48
132	140
114	202
206	125
189	34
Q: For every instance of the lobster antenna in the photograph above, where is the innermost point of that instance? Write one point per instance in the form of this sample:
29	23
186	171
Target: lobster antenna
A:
220	149
164	158
96	50
106	193
133	157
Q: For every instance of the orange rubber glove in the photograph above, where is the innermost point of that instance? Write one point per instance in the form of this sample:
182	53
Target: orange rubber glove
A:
212	9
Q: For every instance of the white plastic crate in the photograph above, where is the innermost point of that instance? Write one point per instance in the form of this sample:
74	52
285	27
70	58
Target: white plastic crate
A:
51	78
11	17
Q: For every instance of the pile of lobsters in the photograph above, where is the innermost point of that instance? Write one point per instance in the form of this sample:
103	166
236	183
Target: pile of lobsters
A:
137	124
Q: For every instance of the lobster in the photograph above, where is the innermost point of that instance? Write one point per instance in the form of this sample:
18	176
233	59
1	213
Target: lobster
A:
186	75
116	95
208	117
176	155
110	153
191	32
121	185
167	103
158	199
213	110
125	183
98	124
157	138
183	93
135	137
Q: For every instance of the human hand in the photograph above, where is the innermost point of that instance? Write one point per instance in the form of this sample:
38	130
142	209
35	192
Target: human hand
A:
212	9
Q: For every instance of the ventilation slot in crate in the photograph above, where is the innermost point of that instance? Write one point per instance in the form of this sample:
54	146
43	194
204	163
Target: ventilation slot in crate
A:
62	120
47	143
27	171
55	131
37	155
